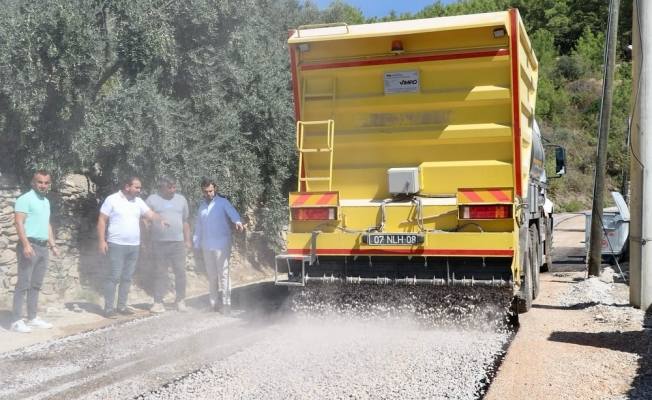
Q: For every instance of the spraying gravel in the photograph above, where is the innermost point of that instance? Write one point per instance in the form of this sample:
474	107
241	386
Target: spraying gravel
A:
349	360
365	342
436	307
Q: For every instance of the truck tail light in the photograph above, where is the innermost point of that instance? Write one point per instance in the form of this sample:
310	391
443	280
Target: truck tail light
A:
499	211
314	214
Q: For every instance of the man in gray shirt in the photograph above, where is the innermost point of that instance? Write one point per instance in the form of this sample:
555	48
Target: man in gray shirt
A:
171	244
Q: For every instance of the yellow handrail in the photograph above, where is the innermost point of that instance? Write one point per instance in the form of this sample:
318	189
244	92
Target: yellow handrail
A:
330	136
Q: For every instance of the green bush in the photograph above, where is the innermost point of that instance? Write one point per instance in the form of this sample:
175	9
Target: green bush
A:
573	205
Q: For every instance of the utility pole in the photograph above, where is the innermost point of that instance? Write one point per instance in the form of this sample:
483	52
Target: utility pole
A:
595	248
640	285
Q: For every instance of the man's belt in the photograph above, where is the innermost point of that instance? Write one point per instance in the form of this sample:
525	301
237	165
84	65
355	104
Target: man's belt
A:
37	242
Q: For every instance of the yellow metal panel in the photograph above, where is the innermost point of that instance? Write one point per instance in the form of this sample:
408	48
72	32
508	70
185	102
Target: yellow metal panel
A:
462	112
362	173
454	23
448	177
444	76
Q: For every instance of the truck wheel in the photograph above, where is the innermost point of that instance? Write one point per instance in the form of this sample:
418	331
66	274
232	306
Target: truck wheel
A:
535	252
512	315
525	294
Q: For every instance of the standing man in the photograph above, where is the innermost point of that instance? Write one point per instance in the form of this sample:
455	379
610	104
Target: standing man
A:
169	244
122	212
213	236
32	216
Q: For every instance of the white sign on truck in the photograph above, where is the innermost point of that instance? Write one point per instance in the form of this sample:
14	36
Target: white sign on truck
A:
402	82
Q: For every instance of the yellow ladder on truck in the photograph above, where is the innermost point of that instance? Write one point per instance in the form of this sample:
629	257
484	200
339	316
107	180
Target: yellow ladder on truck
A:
305	153
320	92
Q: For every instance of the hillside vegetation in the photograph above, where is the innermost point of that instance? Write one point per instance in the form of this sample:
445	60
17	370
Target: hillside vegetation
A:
202	88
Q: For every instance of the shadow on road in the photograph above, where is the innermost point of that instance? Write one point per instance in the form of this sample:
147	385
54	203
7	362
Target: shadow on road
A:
579	306
5	319
570	259
79	306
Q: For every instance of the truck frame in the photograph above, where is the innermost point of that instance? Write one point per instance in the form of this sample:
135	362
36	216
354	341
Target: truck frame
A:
420	161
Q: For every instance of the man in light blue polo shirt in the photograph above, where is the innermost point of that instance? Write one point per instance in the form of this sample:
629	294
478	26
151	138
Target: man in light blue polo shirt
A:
32	216
213	236
122	211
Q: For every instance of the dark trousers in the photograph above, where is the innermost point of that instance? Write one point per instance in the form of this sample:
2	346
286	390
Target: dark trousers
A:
31	272
122	259
173	253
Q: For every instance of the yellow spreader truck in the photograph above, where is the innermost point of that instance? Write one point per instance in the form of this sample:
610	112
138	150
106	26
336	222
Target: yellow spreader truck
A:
420	160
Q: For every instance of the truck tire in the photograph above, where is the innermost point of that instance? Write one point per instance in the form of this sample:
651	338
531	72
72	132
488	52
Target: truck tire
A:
535	252
525	294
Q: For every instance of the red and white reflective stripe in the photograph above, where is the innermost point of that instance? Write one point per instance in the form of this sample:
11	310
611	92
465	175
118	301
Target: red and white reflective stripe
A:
308	199
404	60
489	195
313	199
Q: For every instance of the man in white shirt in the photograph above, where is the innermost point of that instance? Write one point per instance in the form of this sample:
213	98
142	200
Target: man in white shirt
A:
122	211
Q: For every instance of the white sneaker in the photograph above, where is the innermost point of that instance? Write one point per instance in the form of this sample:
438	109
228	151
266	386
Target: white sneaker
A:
19	326
37	322
157	308
181	306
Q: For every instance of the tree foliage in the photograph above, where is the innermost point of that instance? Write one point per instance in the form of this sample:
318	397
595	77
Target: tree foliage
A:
199	88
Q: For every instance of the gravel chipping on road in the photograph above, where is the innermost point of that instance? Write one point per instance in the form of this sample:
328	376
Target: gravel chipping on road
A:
63	363
607	300
364	343
349	360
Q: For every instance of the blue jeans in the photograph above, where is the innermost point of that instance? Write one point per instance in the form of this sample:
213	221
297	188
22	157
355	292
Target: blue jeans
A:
122	259
31	272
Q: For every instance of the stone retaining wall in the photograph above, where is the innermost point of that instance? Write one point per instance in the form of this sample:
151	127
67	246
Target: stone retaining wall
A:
8	239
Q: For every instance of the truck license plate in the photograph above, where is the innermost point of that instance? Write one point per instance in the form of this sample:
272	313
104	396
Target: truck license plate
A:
393	239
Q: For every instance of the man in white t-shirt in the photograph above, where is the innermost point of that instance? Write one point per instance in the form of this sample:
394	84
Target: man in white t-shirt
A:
122	211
